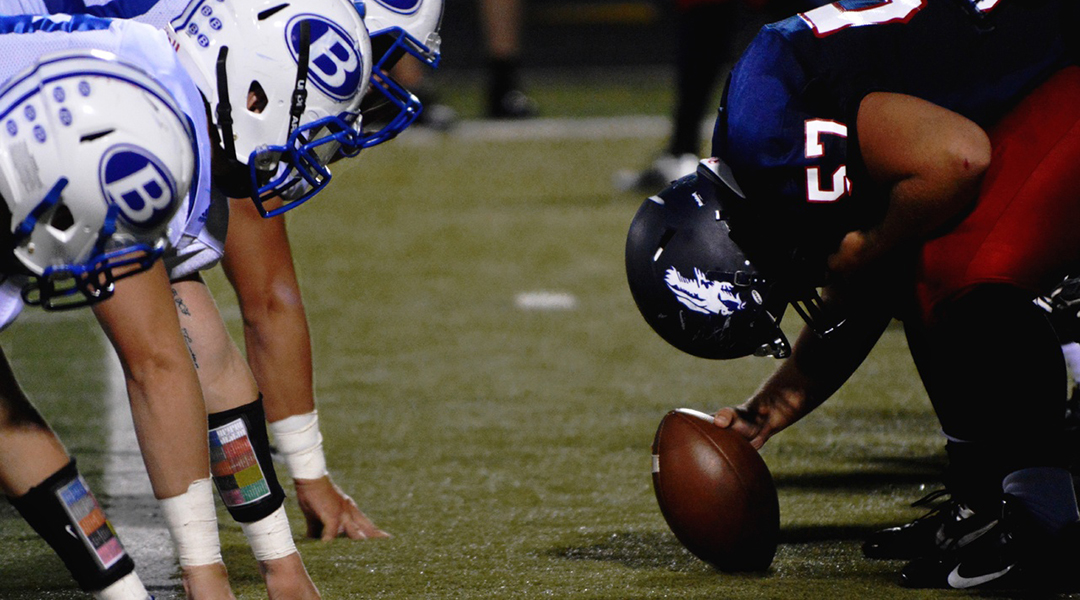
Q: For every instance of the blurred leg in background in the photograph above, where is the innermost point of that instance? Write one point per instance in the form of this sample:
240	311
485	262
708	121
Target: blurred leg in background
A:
706	30
409	72
502	23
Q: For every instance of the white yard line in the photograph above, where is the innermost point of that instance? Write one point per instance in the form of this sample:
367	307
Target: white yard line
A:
545	300
595	128
133	509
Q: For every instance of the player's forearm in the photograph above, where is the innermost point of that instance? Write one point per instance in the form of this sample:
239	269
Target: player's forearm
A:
166	402
170	423
819	365
278	347
258	263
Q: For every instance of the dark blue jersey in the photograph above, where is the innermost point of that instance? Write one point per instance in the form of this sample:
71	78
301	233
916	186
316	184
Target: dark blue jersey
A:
787	126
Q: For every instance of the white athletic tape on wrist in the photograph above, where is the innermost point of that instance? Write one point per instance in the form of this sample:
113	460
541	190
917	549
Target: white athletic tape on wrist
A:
128	587
270	537
300	443
192	521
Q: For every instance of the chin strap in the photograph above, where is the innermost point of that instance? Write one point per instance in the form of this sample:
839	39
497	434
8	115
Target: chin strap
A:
299	97
224	108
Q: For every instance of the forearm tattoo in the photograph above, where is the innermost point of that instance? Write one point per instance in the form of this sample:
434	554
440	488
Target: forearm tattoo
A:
183	309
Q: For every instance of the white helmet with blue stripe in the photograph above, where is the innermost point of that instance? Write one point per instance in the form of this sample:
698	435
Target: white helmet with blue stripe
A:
96	158
398	27
284	80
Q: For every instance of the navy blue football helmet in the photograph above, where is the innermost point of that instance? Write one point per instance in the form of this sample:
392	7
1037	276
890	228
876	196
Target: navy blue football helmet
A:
691	282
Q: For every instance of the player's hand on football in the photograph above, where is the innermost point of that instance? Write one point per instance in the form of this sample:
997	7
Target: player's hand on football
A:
330	512
742	422
755	420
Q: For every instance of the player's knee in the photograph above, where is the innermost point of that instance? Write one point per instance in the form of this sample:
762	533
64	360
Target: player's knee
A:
241	465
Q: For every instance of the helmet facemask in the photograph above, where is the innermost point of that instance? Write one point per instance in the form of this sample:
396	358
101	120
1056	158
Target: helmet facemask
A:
115	254
404	29
62	287
277	133
388	106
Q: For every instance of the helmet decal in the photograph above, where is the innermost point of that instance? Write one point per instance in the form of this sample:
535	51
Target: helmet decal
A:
405	7
138	184
703	295
335	66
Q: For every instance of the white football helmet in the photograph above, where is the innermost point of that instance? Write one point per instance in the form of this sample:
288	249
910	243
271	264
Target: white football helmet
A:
95	159
284	80
398	27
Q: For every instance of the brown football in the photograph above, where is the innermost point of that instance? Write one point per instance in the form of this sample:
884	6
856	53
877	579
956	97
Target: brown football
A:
715	492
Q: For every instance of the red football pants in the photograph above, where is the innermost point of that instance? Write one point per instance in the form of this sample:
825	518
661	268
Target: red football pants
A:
1025	229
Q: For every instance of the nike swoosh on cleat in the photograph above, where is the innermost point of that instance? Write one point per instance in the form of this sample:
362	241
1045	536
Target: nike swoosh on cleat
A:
958	581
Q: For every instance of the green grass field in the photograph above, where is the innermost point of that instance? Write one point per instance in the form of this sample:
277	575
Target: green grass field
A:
507	450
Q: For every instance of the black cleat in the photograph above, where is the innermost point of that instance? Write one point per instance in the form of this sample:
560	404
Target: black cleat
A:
513	104
1013	554
948	526
923	573
658	175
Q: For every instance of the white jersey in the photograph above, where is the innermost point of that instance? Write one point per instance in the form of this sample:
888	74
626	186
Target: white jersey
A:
152	12
23	39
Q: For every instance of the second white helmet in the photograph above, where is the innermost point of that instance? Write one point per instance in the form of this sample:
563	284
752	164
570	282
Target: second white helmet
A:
397	28
284	82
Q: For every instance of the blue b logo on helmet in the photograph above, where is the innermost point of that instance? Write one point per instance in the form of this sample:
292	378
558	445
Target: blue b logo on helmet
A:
404	7
334	65
136	182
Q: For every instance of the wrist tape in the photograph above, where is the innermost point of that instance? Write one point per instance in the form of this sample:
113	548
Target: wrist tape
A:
66	515
129	587
241	465
270	537
299	442
192	521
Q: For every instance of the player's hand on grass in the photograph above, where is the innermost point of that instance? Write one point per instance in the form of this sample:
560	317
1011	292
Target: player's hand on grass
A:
330	512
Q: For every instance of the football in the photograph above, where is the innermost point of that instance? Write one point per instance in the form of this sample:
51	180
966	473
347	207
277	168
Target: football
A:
715	492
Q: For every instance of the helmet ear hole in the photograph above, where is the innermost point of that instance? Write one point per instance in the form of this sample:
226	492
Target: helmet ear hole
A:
257	99
62	219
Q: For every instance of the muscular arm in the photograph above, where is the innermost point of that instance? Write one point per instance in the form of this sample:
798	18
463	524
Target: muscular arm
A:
931	158
258	263
816	368
166	401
